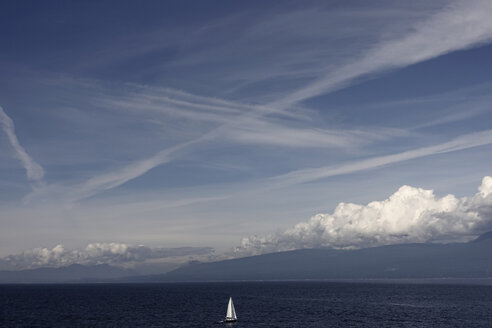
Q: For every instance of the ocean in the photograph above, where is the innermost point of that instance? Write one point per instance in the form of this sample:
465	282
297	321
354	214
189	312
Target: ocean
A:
258	304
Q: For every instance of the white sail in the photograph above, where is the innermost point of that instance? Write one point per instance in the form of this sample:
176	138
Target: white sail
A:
231	312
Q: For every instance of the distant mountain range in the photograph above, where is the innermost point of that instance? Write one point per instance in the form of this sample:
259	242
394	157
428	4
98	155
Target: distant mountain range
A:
405	261
472	260
75	273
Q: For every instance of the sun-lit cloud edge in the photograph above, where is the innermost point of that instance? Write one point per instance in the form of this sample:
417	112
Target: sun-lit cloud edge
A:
410	215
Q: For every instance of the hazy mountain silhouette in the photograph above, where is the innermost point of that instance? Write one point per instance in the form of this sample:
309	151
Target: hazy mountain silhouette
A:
71	273
409	261
405	261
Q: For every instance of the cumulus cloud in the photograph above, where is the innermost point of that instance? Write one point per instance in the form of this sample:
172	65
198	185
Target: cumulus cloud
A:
407	216
34	170
118	254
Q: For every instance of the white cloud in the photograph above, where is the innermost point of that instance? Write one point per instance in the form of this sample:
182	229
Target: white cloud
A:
409	215
34	170
118	254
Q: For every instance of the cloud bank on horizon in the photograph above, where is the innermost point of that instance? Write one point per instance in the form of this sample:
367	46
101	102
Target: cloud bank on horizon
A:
410	215
117	254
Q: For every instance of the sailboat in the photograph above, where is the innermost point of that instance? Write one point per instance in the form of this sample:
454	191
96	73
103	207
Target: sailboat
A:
231	312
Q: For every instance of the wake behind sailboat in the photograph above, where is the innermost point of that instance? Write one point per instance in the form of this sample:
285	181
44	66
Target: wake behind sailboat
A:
231	312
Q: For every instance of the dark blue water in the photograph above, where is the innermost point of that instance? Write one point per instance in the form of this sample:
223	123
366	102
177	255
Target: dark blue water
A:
267	304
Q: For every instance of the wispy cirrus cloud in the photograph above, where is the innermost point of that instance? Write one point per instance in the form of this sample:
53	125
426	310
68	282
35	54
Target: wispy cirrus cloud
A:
248	128
34	171
264	132
459	26
468	25
107	180
227	121
311	174
246	123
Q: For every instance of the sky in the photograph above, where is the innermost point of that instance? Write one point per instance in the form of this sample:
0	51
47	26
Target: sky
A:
184	130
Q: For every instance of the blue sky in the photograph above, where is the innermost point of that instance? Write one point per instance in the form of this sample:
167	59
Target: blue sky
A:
184	123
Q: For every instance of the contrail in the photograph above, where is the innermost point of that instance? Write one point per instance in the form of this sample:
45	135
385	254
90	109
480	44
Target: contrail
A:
460	26
34	171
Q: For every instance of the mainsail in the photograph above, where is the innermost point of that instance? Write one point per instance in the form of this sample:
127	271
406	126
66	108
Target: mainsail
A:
231	312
